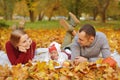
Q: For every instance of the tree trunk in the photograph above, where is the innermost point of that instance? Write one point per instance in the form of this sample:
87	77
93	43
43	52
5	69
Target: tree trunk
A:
50	15
103	14
95	13
49	19
103	9
31	13
8	7
10	15
40	17
77	9
5	11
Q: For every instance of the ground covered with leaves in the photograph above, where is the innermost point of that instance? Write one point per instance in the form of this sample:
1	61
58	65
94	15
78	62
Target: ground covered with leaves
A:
44	37
43	71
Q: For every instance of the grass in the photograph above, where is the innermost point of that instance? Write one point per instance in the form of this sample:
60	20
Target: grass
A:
43	25
37	24
56	25
108	24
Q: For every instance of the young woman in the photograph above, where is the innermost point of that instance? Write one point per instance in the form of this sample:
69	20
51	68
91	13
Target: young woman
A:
20	48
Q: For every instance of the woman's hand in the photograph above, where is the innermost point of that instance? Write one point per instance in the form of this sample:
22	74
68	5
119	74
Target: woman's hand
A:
22	49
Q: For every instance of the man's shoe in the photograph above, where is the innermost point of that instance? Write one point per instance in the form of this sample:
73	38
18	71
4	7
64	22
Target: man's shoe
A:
73	19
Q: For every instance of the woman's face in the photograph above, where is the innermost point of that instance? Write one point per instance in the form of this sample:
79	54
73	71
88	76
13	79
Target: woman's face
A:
25	41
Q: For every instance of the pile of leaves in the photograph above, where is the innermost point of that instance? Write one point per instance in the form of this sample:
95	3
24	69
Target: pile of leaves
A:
46	71
44	37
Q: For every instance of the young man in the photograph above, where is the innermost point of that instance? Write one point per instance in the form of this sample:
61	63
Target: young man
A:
87	43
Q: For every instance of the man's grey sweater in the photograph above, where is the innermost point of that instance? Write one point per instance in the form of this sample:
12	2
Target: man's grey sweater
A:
99	45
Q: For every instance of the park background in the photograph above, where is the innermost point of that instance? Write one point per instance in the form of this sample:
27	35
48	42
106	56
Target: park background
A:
41	18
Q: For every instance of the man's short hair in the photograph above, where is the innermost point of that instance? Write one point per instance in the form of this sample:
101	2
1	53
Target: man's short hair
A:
88	29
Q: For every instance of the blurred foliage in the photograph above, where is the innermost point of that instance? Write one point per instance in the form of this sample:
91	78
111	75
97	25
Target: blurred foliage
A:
7	8
3	24
38	9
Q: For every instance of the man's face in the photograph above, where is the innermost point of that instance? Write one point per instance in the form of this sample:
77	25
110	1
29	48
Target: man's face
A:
54	55
25	41
84	40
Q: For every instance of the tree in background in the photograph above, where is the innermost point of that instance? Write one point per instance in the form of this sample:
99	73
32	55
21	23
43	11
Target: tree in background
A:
114	10
2	7
32	5
119	8
40	9
53	8
21	8
91	8
103	6
7	6
75	6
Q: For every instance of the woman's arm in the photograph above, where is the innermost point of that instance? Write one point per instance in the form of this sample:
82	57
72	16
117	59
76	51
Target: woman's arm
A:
12	54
